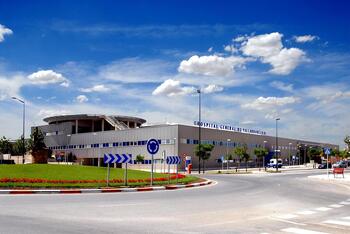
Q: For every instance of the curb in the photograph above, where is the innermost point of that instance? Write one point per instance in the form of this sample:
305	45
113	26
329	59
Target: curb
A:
111	190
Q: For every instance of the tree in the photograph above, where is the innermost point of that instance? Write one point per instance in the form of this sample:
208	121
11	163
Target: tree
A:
38	147
140	158
344	154
242	154
5	145
260	153
37	140
347	142
204	152
315	154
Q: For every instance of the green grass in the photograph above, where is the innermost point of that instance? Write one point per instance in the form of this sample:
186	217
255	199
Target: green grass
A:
73	172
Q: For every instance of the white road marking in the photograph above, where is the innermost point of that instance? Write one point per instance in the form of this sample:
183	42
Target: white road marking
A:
301	231
287	221
336	206
306	212
344	203
287	216
346	217
323	208
337	222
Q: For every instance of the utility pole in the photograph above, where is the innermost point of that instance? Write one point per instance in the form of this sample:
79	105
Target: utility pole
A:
276	151
199	131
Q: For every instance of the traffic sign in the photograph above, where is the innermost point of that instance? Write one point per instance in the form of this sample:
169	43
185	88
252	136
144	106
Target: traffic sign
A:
327	151
117	158
152	146
173	160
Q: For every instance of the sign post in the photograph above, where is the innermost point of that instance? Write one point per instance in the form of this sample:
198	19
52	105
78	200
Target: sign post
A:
117	158
173	160
327	151
152	148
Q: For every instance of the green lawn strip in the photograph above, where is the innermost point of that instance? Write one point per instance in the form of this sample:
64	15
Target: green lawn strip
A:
69	172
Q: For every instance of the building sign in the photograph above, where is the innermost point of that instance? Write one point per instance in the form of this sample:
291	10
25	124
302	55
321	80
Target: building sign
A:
229	128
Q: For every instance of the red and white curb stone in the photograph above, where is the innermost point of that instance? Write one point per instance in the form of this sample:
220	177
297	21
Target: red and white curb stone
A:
107	190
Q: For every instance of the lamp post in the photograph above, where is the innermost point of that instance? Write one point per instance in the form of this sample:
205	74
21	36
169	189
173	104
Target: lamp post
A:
228	140
68	145
199	130
289	153
305	149
24	117
276	151
264	155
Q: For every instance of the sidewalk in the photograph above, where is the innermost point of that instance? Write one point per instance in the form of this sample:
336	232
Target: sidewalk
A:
330	177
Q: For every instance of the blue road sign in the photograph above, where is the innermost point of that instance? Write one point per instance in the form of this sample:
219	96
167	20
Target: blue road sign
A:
152	146
117	158
327	151
173	160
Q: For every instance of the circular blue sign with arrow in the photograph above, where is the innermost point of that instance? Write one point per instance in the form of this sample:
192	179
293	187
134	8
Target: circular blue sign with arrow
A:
152	146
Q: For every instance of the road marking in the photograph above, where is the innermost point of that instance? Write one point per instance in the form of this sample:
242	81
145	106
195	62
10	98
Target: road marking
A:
337	222
301	231
287	216
306	212
287	221
346	217
336	206
323	208
344	203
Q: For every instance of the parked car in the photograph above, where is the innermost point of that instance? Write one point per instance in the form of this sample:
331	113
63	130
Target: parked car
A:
324	166
341	164
272	163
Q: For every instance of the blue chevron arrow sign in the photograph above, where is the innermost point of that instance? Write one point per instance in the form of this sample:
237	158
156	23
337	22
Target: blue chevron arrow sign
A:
173	160
117	158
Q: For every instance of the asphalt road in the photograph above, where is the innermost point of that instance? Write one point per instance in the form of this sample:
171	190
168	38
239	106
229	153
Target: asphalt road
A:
273	203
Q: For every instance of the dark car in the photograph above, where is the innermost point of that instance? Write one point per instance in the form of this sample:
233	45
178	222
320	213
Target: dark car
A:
324	166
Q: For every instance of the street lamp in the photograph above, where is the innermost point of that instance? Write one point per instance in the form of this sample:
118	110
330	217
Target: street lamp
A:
228	140
289	152
264	155
305	149
199	130
24	117
276	151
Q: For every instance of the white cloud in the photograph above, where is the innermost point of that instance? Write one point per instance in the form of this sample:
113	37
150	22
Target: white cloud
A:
212	88
81	99
230	48
44	77
4	31
136	70
96	88
52	112
10	86
173	88
282	86
239	39
269	49
327	93
211	65
210	49
286	61
262	103
305	38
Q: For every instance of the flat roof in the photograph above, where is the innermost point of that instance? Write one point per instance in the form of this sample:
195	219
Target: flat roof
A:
62	118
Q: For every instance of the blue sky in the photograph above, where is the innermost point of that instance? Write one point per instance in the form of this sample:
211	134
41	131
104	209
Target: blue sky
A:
253	61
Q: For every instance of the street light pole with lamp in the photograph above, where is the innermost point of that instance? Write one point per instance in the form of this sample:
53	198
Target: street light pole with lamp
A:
199	130
276	150
228	140
264	156
23	134
289	152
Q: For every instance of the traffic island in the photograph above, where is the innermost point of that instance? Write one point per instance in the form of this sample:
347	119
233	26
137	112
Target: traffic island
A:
63	177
